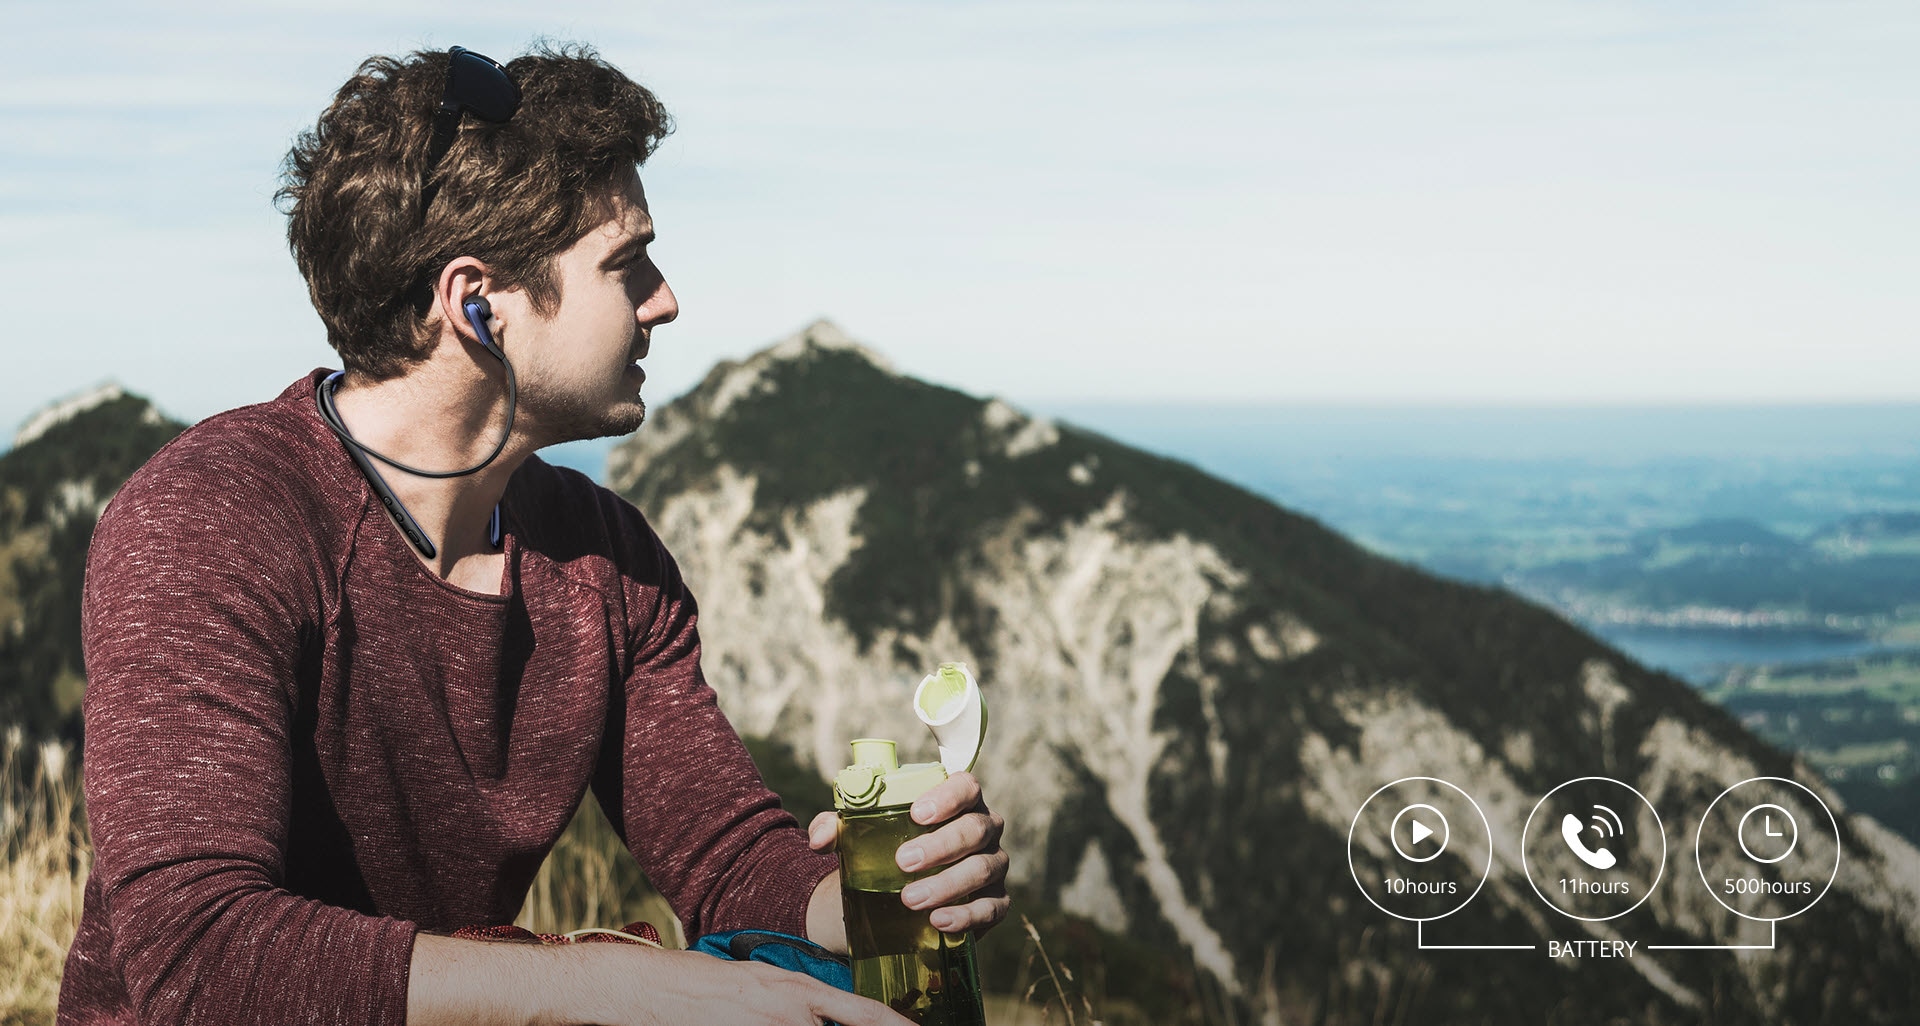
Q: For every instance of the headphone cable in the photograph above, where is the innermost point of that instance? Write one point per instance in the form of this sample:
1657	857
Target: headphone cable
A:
332	417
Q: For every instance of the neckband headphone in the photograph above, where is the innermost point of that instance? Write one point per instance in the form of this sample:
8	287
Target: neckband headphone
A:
478	312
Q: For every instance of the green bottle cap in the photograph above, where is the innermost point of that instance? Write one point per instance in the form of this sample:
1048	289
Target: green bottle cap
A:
876	780
948	701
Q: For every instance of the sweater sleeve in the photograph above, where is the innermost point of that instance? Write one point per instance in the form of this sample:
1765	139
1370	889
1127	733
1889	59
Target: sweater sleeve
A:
693	809
193	611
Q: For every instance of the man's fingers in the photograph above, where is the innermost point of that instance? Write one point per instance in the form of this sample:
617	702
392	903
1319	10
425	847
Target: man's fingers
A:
853	1010
823	832
947	799
982	914
788	992
975	831
975	873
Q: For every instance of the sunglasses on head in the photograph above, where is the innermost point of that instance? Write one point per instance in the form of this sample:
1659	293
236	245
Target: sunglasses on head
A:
477	85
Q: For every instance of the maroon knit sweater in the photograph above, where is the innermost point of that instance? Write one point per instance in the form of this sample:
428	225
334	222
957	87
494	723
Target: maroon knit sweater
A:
302	746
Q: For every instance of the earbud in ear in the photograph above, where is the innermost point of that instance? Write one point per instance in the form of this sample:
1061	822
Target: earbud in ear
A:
479	311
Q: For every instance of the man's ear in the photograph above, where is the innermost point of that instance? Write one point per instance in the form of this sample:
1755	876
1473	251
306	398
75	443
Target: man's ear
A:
462	281
478	312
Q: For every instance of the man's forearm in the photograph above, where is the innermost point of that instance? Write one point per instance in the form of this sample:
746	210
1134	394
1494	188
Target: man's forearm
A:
493	983
459	981
826	918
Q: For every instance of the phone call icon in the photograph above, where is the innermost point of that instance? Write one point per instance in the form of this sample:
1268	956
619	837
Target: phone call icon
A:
1593	814
1605	822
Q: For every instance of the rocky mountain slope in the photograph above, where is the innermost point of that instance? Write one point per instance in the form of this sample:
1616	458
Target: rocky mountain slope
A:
1194	690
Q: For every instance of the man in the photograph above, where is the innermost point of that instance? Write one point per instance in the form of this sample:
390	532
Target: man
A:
337	709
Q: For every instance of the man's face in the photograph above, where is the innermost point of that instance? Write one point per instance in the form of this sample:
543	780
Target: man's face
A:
579	368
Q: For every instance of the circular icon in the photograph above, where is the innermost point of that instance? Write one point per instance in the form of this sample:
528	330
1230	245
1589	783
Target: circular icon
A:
1398	836
1419	832
1768	848
1768	838
1593	848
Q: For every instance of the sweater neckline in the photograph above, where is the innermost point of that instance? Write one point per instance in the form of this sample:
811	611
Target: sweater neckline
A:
373	522
395	548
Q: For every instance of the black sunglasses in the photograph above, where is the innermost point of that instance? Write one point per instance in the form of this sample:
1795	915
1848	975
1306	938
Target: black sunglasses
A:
477	85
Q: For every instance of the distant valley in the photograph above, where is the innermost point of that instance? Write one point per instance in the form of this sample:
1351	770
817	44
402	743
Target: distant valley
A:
1768	555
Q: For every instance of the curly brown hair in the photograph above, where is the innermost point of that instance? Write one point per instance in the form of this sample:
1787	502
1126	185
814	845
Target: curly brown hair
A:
511	195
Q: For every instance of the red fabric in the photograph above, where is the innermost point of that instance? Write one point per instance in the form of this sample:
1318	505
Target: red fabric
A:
302	746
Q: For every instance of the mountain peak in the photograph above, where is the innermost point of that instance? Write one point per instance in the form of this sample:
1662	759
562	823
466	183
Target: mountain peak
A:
731	381
64	409
821	334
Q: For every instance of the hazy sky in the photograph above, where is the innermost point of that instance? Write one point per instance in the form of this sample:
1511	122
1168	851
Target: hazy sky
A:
1516	201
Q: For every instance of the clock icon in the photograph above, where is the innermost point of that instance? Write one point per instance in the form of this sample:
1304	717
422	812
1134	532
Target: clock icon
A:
1768	828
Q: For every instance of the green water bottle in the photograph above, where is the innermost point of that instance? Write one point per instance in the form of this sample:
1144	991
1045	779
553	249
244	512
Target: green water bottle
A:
899	958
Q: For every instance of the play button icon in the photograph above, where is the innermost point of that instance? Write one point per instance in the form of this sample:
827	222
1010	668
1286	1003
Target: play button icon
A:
1397	838
1424	842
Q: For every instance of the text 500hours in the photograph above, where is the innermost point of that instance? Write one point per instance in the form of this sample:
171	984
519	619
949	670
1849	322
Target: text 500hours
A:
1748	885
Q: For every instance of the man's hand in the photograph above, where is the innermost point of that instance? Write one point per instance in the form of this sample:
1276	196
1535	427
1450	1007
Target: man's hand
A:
971	893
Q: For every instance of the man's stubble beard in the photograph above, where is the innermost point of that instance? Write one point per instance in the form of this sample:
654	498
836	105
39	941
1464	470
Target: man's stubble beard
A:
568	420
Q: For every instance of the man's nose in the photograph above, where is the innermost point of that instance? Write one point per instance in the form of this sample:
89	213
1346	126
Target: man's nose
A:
660	307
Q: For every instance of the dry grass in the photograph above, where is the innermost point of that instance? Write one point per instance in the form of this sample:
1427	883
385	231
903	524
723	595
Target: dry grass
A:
43	873
1047	992
590	880
1039	989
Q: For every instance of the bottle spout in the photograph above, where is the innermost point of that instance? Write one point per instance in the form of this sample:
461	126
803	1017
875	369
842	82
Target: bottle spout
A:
948	701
